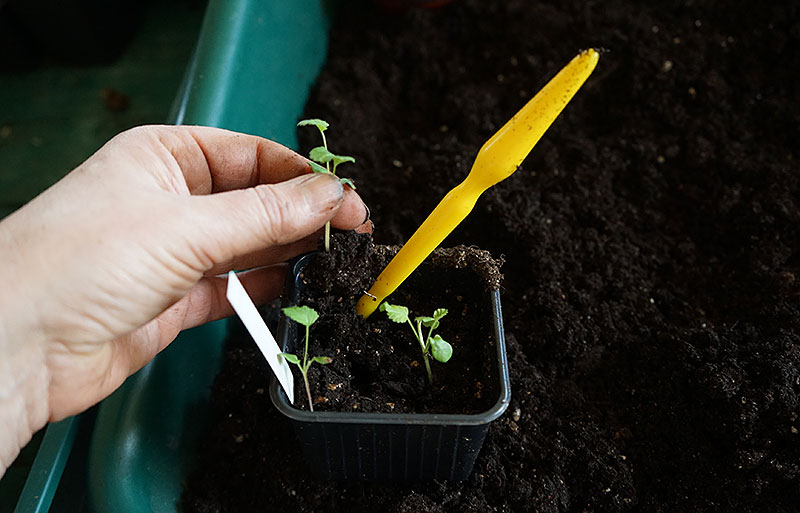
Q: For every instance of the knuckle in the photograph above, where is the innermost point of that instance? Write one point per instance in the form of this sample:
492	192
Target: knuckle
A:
139	132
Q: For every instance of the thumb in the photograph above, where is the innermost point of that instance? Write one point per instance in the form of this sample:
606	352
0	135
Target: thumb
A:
243	221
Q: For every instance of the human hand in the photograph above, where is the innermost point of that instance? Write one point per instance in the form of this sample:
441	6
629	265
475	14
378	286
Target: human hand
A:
104	269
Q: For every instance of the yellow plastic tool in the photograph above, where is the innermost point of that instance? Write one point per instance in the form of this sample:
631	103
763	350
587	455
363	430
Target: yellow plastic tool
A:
499	157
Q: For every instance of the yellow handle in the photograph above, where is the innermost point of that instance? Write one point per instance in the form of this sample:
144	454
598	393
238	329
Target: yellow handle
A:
499	157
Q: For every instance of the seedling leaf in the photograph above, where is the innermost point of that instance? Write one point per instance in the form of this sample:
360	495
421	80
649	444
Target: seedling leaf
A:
301	314
439	313
348	182
339	159
441	349
319	123
321	154
322	360
428	322
291	358
395	313
317	168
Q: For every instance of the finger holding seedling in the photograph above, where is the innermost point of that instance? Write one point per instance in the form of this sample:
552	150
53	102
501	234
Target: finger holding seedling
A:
431	345
306	316
320	156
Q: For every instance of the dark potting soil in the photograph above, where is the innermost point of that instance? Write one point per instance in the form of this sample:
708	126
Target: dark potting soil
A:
652	245
377	364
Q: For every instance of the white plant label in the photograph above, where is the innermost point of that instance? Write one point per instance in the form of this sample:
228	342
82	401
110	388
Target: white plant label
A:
247	312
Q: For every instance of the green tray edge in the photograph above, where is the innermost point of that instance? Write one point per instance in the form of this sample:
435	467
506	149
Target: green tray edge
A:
48	466
253	66
252	57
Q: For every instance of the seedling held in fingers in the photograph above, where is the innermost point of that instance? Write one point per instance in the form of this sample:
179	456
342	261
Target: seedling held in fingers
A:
433	345
320	156
306	316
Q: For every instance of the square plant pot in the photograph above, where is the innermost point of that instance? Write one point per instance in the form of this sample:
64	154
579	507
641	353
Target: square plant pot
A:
388	446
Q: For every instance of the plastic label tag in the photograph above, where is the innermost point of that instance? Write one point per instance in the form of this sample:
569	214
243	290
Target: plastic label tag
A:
247	312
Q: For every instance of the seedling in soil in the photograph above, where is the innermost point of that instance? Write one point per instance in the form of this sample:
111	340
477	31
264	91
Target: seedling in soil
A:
322	155
433	345
306	316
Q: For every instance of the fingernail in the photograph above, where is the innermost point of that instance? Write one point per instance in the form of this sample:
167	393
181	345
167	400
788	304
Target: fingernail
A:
367	216
321	190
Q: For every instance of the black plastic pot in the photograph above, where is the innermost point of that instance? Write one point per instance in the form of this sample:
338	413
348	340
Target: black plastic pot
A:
388	446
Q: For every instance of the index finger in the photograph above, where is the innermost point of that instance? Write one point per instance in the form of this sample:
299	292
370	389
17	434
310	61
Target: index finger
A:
215	160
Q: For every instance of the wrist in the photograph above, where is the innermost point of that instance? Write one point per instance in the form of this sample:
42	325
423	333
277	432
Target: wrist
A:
23	393
24	405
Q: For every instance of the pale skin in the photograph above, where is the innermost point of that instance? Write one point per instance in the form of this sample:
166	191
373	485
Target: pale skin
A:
104	269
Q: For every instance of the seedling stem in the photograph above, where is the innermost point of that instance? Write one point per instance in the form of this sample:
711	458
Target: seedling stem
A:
306	316
322	155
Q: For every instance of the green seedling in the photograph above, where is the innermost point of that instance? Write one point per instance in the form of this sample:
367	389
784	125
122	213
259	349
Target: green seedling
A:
306	316
322	156
433	345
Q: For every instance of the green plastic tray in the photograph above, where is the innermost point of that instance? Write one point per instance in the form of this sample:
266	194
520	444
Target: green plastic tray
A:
48	466
252	68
